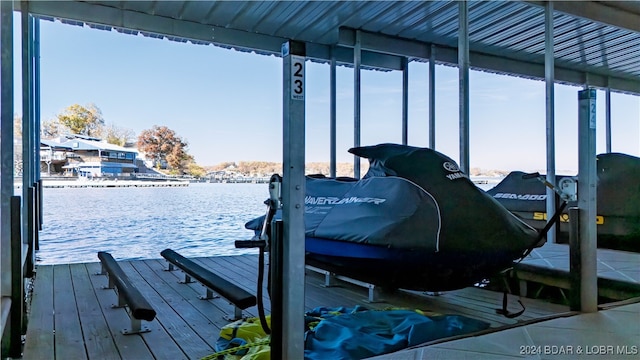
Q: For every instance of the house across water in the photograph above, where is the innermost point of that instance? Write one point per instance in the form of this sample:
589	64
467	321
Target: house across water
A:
86	157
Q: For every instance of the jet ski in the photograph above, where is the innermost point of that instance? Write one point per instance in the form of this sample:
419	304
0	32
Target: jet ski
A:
618	196
414	221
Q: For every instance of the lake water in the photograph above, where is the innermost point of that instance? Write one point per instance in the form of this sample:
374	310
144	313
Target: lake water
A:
137	223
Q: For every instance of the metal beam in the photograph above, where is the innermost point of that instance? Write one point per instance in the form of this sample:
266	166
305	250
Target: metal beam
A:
463	84
36	91
27	128
384	43
608	119
522	65
293	192
356	104
377	57
549	76
266	44
332	117
6	145
621	14
405	101
432	98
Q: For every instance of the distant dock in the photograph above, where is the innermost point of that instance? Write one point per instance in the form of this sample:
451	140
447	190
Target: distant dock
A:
74	183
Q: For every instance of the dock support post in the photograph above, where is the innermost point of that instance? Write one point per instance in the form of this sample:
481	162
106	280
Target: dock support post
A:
332	115
549	77
463	84
405	101
356	102
17	282
607	112
6	147
293	193
28	137
432	98
587	200
574	259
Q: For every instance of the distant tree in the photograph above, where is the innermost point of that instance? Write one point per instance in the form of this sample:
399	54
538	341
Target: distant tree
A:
17	125
161	143
223	166
82	120
51	128
196	170
116	135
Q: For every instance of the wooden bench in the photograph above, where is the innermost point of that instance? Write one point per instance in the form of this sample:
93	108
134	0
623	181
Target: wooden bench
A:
240	298
137	306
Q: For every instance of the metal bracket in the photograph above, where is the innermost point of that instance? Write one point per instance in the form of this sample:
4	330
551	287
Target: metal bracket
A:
329	280
121	300
111	284
208	295
237	314
136	327
187	279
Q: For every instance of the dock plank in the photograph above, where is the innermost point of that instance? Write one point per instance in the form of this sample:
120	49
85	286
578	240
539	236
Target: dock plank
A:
187	327
180	333
182	303
69	343
214	311
40	330
97	340
130	347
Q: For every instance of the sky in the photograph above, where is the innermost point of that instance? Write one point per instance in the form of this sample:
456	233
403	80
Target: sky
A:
228	104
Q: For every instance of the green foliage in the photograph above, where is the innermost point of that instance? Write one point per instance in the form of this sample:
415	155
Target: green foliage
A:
116	135
82	120
196	170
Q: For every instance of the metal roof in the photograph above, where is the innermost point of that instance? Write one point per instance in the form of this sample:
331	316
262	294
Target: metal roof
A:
596	42
83	144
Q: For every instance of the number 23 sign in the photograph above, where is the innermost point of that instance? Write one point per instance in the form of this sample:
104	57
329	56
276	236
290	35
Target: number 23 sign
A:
297	77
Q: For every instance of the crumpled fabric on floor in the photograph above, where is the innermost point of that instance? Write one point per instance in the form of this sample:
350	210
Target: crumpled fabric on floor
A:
356	333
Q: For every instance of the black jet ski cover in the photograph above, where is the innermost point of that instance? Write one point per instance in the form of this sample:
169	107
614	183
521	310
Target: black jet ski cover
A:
618	196
413	221
471	220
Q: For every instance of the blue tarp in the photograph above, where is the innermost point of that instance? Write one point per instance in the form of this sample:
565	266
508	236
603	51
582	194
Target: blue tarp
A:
357	333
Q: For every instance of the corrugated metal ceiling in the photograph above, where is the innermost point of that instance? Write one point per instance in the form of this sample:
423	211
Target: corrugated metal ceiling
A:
508	30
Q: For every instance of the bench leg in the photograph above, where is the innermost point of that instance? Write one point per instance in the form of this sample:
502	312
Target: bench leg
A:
136	327
329	280
329	277
187	279
121	301
170	267
209	295
237	314
374	294
103	270
111	284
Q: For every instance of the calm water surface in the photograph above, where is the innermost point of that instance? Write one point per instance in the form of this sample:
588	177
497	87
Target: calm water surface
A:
138	223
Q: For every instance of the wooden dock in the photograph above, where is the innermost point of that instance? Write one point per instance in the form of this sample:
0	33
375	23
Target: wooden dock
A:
71	315
548	266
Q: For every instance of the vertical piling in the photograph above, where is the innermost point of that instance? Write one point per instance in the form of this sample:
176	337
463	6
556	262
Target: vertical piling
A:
587	200
293	191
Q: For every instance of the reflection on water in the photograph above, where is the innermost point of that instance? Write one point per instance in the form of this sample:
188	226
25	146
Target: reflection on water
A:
138	223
